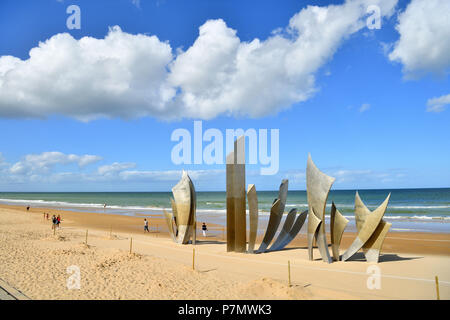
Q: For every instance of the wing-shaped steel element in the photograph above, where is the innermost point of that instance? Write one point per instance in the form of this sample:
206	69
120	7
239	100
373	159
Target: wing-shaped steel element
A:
183	202
275	216
253	211
273	210
193	217
169	222
370	223
361	212
373	246
318	185
174	217
288	223
298	224
337	225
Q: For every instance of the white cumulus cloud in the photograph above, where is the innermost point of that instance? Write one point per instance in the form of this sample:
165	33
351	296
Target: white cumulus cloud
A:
129	76
44	162
115	168
424	43
122	75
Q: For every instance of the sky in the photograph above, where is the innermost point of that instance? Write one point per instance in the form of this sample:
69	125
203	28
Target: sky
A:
96	108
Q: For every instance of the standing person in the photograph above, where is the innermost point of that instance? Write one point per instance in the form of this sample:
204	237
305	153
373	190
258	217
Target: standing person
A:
54	222
146	226
58	221
204	229
47	216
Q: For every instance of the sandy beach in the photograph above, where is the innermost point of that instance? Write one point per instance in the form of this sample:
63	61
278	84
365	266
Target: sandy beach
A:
35	261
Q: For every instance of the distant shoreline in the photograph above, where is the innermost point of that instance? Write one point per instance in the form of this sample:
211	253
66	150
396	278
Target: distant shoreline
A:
409	210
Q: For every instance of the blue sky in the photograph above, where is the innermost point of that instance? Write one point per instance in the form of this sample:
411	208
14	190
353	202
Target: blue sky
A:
374	116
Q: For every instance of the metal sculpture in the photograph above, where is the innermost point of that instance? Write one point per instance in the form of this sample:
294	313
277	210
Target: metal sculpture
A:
276	213
285	238
372	230
253	212
169	219
236	213
290	218
181	222
318	185
193	217
337	225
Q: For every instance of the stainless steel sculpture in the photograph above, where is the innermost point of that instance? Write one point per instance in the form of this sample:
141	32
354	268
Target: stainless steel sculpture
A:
276	213
372	230
236	213
253	211
181	222
169	222
318	185
193	217
337	225
285	238
291	227
290	218
230	202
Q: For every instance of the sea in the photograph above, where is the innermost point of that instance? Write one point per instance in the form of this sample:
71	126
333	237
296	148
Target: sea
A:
409	210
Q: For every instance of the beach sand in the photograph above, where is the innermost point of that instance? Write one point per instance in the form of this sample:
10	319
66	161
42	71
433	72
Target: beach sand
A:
35	261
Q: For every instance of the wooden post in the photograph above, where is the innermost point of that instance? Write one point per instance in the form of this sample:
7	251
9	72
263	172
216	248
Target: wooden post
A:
193	259
86	237
437	287
131	244
289	272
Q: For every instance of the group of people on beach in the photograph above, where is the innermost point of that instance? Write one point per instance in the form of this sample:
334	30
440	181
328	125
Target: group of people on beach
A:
56	221
204	228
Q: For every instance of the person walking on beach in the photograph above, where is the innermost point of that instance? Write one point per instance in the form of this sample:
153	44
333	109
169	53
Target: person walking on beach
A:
58	221
204	229
47	216
146	226
54	221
